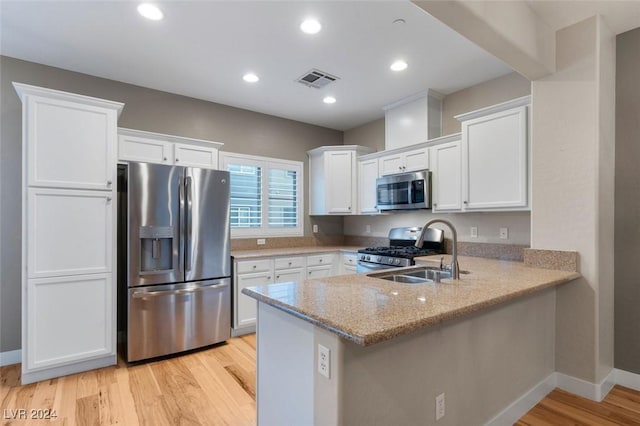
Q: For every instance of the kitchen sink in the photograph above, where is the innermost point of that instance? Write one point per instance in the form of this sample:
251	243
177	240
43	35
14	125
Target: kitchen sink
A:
417	276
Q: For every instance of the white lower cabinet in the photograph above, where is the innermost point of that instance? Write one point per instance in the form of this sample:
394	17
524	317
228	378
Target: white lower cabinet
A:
71	320
256	272
349	263
319	271
245	307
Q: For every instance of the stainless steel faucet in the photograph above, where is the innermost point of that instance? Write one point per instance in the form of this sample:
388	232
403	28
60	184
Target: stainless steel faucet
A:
454	268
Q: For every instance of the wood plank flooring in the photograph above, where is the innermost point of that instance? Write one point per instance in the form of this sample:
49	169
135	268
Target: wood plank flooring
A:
215	386
620	407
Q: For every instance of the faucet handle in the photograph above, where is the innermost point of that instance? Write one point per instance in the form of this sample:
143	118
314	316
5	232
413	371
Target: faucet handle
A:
442	263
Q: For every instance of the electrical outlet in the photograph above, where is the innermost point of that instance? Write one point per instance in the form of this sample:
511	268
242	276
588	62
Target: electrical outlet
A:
440	406
261	241
504	233
324	361
315	229
474	232
368	229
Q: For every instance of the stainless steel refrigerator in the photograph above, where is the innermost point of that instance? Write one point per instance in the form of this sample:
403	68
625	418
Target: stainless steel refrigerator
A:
178	259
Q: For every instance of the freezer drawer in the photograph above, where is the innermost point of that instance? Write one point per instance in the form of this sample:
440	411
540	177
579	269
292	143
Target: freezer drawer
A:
172	318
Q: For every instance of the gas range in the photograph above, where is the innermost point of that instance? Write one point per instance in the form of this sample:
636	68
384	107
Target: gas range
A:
402	250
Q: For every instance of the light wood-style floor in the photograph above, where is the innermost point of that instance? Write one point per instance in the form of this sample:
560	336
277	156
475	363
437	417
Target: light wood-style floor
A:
620	407
215	386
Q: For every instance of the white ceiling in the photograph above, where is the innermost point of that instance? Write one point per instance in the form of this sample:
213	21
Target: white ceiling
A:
201	49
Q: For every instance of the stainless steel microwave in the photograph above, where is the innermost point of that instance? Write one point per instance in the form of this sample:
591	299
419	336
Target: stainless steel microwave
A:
404	191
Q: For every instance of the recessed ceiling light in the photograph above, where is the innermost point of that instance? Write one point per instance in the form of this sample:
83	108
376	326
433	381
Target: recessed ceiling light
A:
310	26
329	100
250	78
150	11
399	66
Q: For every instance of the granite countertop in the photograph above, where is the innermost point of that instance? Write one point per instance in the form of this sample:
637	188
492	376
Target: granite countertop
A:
368	310
290	251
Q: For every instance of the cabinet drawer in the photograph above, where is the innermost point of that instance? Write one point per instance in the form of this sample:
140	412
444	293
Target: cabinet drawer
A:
289	263
250	266
350	259
320	259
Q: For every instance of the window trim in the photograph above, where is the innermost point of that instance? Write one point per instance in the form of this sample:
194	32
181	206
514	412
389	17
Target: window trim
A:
268	163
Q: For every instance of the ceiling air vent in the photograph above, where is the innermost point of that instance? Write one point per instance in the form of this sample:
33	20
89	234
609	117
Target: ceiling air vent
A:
316	78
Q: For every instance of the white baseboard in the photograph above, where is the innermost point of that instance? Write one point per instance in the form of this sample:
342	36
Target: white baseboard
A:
10	357
593	391
627	379
526	402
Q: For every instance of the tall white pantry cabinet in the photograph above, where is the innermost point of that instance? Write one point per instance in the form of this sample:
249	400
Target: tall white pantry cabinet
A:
68	232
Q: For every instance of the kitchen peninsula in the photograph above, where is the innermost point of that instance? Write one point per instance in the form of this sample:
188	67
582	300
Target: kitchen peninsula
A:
483	341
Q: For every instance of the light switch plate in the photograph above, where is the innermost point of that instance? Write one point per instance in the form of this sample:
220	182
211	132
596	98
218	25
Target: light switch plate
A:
324	361
474	232
261	241
315	229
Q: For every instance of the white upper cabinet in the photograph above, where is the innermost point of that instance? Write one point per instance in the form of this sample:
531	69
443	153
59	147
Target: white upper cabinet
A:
446	176
413	120
333	179
148	147
407	160
367	175
70	145
494	157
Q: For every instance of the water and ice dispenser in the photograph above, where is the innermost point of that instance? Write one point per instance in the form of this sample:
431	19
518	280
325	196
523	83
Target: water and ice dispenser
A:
156	248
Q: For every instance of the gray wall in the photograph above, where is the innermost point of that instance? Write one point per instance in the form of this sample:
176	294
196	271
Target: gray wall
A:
627	204
145	109
370	134
490	92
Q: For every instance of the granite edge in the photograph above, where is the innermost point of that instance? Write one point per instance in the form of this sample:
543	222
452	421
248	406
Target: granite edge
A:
562	260
381	336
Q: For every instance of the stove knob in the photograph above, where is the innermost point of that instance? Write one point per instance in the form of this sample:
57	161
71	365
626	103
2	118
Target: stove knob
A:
368	257
397	262
379	259
362	257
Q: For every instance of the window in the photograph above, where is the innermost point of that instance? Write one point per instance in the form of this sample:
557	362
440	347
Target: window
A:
266	195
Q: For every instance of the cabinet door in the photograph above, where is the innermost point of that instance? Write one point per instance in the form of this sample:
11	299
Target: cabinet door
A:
246	308
339	180
287	275
70	232
417	159
367	175
391	164
195	156
319	271
495	160
70	145
132	148
69	319
446	175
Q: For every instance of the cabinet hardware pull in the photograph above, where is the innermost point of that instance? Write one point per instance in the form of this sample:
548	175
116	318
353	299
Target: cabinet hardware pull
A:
177	159
320	260
254	266
269	278
277	277
108	199
109	183
289	263
165	158
465	202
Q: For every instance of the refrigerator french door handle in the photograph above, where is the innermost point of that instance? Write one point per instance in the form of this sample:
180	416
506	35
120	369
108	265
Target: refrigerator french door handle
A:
189	223
144	294
181	217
